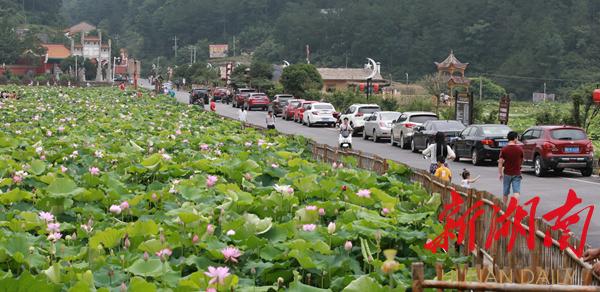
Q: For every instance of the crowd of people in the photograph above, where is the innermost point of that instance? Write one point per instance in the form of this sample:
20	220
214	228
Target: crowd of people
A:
8	94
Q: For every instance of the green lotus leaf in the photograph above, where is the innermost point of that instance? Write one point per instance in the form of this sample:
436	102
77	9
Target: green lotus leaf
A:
260	225
15	195
138	284
28	282
53	273
109	238
151	268
63	187
151	246
85	284
364	283
152	161
38	167
142	228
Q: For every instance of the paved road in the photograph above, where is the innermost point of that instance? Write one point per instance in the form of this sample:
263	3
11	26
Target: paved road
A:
552	190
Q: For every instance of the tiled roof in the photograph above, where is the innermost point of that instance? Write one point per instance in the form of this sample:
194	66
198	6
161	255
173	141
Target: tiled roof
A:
351	74
82	26
451	61
57	51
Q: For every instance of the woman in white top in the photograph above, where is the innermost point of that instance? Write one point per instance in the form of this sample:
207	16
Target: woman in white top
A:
242	115
439	148
270	120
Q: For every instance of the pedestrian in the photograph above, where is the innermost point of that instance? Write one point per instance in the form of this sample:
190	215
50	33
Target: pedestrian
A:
242	115
467	180
439	148
591	256
213	105
509	167
443	172
270	120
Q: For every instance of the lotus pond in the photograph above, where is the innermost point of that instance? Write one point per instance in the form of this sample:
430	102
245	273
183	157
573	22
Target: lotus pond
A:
104	191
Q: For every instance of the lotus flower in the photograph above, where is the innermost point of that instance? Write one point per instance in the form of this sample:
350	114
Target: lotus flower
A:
210	229
331	228
115	209
124	205
146	256
211	289
53	227
39	149
46	216
98	154
261	142
94	170
385	211
231	254
311	208
63	169
321	212
163	253
166	156
54	237
248	144
204	147
364	193
309	227
230	232
61	129
195	239
49	133
217	274
211	180
348	245
178	132
17	179
274	165
123	287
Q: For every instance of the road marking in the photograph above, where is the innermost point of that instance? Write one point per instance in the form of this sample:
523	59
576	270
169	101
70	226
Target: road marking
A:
581	180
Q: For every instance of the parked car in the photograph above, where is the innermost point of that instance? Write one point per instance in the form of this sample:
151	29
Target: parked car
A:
219	94
199	96
379	125
279	103
424	135
356	114
238	98
319	113
480	142
289	110
402	129
299	111
557	148
257	100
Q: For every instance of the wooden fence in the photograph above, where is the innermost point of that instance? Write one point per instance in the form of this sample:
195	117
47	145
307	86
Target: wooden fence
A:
520	257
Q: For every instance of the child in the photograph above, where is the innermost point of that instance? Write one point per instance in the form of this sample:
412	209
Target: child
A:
213	105
466	179
270	120
242	115
442	171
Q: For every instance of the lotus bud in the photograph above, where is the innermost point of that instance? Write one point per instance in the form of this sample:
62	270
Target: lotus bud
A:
210	229
146	256
348	245
253	271
74	236
31	249
378	235
154	197
123	287
111	273
280	282
195	239
331	228
126	243
344	188
321	211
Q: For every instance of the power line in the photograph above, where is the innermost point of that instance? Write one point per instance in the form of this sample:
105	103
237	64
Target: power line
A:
537	78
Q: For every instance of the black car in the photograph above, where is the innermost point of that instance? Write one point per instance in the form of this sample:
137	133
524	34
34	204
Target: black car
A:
481	142
199	96
424	135
280	102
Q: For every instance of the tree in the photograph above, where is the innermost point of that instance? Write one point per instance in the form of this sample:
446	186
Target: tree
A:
299	79
584	110
489	89
434	84
260	75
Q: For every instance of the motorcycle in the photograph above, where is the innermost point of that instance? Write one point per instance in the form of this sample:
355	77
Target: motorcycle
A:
345	140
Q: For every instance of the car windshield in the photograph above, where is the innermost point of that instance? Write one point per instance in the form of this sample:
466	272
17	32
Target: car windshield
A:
247	90
495	131
323	106
449	126
389	116
368	109
259	96
294	103
568	134
422	118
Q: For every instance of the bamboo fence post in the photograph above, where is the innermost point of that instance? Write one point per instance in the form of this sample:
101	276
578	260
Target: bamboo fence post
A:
439	272
418	276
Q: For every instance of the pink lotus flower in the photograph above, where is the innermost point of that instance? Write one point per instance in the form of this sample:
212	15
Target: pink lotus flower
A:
54	237
98	154
46	216
274	165
166	156
154	197
178	132
331	228
53	227
348	245
210	229
94	170
146	256
231	254
49	133
309	227
230	232
218	152
211	180
17	179
61	129
164	253
248	176
124	205
195	239
311	208
248	144
204	147
364	193
211	290
123	287
261	142
63	169
321	212
126	243
341	165
385	211
115	209
334	165
39	150
217	274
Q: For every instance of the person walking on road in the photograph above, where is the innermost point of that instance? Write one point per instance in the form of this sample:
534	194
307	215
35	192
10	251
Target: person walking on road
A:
509	167
270	120
242	116
213	105
439	148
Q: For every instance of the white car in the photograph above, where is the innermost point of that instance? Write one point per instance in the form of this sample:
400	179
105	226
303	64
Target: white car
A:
319	113
356	114
379	125
403	127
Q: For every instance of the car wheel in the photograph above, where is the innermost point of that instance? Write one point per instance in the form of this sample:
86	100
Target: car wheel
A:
375	138
587	171
308	122
413	147
538	167
402	142
392	139
364	134
456	157
475	157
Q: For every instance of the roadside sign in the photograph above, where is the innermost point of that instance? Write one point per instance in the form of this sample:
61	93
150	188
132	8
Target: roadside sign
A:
504	109
464	108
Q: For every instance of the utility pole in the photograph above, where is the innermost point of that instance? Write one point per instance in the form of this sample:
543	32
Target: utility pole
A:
76	72
480	89
195	50
234	46
544	91
175	46
191	55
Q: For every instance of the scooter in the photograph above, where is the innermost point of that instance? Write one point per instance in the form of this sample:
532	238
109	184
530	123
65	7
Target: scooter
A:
345	140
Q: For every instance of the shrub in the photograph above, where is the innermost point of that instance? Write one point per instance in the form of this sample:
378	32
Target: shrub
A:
418	105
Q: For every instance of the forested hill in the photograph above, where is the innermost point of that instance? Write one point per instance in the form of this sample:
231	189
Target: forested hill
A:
552	39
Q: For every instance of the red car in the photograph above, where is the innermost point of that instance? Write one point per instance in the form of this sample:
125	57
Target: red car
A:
288	111
299	112
557	148
257	100
240	96
219	94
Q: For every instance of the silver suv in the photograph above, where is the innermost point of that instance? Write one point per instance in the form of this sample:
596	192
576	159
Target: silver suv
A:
402	128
